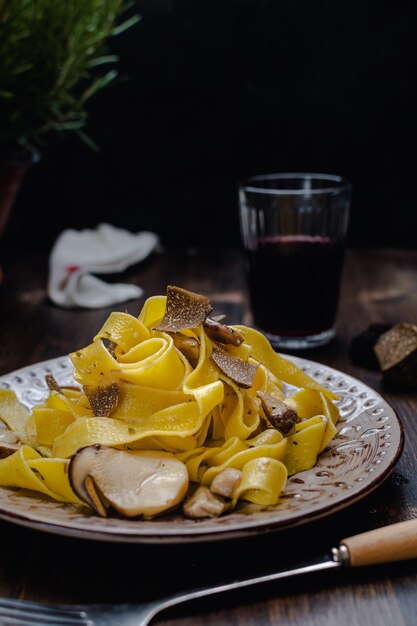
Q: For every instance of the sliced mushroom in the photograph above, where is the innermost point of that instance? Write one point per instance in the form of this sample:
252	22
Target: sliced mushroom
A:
204	503
279	414
240	371
222	333
103	399
9	442
132	482
226	482
184	309
189	347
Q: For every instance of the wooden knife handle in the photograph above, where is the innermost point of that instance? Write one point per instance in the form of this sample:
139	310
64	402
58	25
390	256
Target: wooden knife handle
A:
396	542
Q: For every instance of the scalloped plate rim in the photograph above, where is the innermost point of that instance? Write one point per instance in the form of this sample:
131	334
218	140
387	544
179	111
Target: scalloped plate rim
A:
124	533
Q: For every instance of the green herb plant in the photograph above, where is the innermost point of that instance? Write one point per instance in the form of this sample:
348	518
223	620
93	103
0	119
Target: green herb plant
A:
54	56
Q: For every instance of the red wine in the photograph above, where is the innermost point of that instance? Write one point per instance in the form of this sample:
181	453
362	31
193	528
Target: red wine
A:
294	284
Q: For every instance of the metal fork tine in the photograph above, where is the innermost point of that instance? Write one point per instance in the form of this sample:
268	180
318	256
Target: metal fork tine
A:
28	619
7	620
31	620
11	621
23	613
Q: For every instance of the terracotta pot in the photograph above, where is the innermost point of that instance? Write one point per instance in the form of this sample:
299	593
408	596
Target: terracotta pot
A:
12	173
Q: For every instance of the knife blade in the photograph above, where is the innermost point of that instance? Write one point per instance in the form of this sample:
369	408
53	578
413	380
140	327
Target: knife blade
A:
395	542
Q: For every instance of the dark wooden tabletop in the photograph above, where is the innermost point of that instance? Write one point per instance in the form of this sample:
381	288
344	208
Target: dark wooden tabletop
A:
379	286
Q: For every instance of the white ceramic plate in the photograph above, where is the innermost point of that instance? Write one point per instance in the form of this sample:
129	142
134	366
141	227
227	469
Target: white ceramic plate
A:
360	457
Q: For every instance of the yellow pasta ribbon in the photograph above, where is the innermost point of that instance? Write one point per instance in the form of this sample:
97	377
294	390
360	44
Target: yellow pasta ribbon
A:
13	413
282	368
137	402
237	457
205	372
124	330
305	444
310	402
152	363
26	469
182	420
50	424
75	405
263	480
152	311
162	402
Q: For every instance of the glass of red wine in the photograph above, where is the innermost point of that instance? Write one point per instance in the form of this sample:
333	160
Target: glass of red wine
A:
294	228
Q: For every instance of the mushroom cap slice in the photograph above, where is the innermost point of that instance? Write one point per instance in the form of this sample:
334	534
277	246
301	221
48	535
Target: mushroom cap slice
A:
279	413
9	442
132	482
203	503
184	309
225	483
98	504
222	333
188	346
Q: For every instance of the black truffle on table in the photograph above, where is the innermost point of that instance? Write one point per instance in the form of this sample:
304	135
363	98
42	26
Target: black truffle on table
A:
361	348
396	351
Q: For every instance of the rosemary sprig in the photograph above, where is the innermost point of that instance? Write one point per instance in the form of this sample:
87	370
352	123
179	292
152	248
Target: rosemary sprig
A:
54	57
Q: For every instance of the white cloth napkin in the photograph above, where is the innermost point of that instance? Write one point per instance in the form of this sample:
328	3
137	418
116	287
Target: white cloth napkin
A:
76	255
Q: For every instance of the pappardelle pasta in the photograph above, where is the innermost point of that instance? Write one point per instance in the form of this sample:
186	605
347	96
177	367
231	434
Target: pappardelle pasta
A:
170	410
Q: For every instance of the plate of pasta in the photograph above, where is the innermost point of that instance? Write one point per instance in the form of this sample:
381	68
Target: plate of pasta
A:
173	426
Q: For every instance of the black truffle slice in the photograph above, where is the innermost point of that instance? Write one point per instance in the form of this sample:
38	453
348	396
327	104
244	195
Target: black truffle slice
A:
103	399
184	309
240	371
52	383
361	348
279	414
396	351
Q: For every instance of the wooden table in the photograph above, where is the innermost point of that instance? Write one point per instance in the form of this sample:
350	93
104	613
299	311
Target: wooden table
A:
379	286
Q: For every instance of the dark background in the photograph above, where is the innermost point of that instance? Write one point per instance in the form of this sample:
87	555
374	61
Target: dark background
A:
223	89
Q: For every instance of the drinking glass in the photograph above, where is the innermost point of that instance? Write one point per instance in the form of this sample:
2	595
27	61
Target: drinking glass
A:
294	228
